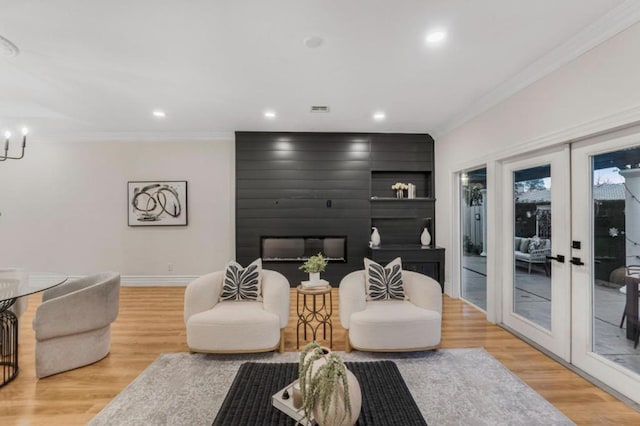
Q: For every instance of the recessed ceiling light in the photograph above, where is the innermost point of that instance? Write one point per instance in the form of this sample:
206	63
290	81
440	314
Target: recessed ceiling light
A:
436	37
379	116
159	114
270	115
313	42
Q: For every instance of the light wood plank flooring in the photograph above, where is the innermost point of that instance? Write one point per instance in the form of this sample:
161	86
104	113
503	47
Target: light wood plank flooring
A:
151	322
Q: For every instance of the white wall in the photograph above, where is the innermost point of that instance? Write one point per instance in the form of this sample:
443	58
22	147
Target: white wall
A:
64	208
571	102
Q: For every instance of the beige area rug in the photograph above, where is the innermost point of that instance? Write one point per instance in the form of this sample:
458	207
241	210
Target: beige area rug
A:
450	386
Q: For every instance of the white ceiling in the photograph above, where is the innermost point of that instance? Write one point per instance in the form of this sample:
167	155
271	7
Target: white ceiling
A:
91	69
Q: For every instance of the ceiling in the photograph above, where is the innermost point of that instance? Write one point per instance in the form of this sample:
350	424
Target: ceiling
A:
89	69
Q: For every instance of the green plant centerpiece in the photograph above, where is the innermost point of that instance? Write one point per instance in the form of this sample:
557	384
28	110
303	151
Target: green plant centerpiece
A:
329	390
314	265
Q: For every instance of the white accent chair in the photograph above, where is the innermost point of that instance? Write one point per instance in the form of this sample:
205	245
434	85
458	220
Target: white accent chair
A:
73	323
391	325
236	326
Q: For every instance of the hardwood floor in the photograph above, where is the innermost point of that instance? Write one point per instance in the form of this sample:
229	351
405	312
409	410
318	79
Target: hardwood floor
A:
151	322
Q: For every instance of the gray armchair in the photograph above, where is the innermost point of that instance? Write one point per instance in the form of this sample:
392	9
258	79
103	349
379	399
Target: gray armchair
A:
73	323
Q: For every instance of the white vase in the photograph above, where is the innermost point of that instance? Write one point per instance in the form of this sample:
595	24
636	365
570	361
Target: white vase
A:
314	277
336	415
425	238
375	237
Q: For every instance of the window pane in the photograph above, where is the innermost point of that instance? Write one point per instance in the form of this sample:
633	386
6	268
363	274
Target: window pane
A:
473	222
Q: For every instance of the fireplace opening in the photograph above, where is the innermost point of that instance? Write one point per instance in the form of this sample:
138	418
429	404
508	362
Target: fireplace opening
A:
296	249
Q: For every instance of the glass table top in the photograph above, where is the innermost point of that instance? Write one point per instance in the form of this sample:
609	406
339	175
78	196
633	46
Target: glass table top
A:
19	282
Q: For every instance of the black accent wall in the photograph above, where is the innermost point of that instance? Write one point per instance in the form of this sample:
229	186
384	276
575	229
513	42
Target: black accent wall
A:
333	184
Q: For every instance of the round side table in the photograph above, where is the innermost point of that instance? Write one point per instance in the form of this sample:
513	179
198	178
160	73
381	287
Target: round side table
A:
314	307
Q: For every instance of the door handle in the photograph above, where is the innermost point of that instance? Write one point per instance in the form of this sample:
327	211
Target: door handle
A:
576	261
559	258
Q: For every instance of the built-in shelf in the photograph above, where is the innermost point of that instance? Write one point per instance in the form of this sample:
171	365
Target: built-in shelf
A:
400	221
381	182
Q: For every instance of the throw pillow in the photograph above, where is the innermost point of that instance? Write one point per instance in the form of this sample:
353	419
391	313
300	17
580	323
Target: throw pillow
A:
242	283
535	243
384	282
524	245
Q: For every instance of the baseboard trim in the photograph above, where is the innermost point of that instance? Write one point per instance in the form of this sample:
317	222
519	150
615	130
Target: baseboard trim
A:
156	280
149	280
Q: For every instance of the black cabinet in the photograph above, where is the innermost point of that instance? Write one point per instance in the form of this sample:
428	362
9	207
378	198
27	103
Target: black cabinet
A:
426	260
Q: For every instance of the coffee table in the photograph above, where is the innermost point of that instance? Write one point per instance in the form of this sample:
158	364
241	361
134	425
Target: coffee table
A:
386	400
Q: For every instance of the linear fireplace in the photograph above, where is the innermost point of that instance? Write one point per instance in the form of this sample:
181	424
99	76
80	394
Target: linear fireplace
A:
296	249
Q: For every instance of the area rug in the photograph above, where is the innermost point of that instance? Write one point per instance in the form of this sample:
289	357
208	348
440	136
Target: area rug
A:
451	387
386	398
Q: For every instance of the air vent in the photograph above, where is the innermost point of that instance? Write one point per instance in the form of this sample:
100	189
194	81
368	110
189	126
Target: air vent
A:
319	108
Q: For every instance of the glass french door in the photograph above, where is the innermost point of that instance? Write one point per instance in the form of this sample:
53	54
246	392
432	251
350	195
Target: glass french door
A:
605	256
473	233
536	272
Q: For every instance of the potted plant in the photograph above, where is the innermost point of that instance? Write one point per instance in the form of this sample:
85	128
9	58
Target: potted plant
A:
314	265
329	390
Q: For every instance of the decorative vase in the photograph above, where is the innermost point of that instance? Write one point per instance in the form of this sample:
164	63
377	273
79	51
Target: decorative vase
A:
314	277
425	238
399	194
375	237
337	412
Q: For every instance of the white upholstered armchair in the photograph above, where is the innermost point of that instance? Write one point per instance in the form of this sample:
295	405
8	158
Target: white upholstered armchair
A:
391	325
236	326
73	323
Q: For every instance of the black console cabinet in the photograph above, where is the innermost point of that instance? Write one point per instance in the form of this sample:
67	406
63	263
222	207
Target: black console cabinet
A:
426	260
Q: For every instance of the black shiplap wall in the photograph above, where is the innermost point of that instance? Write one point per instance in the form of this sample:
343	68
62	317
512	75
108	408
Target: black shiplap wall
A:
284	180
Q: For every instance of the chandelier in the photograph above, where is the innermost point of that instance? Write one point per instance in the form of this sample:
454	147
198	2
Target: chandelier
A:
7	136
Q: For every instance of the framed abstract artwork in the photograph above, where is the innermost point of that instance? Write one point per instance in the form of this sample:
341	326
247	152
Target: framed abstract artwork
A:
157	203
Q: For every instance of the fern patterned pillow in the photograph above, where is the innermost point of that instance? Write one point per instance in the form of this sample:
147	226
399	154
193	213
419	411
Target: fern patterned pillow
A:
384	282
242	283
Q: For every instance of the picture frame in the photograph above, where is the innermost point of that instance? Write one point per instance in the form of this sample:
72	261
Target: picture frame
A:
157	203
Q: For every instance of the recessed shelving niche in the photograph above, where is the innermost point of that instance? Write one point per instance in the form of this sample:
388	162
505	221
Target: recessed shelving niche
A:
381	182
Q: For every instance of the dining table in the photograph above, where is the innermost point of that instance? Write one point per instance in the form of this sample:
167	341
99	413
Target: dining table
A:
14	284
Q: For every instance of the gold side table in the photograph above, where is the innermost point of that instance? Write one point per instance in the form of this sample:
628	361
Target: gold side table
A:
314	308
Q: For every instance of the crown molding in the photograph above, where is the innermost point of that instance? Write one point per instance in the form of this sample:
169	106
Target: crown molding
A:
133	137
606	27
626	118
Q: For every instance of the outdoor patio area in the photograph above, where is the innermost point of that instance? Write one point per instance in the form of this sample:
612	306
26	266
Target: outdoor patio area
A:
533	301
